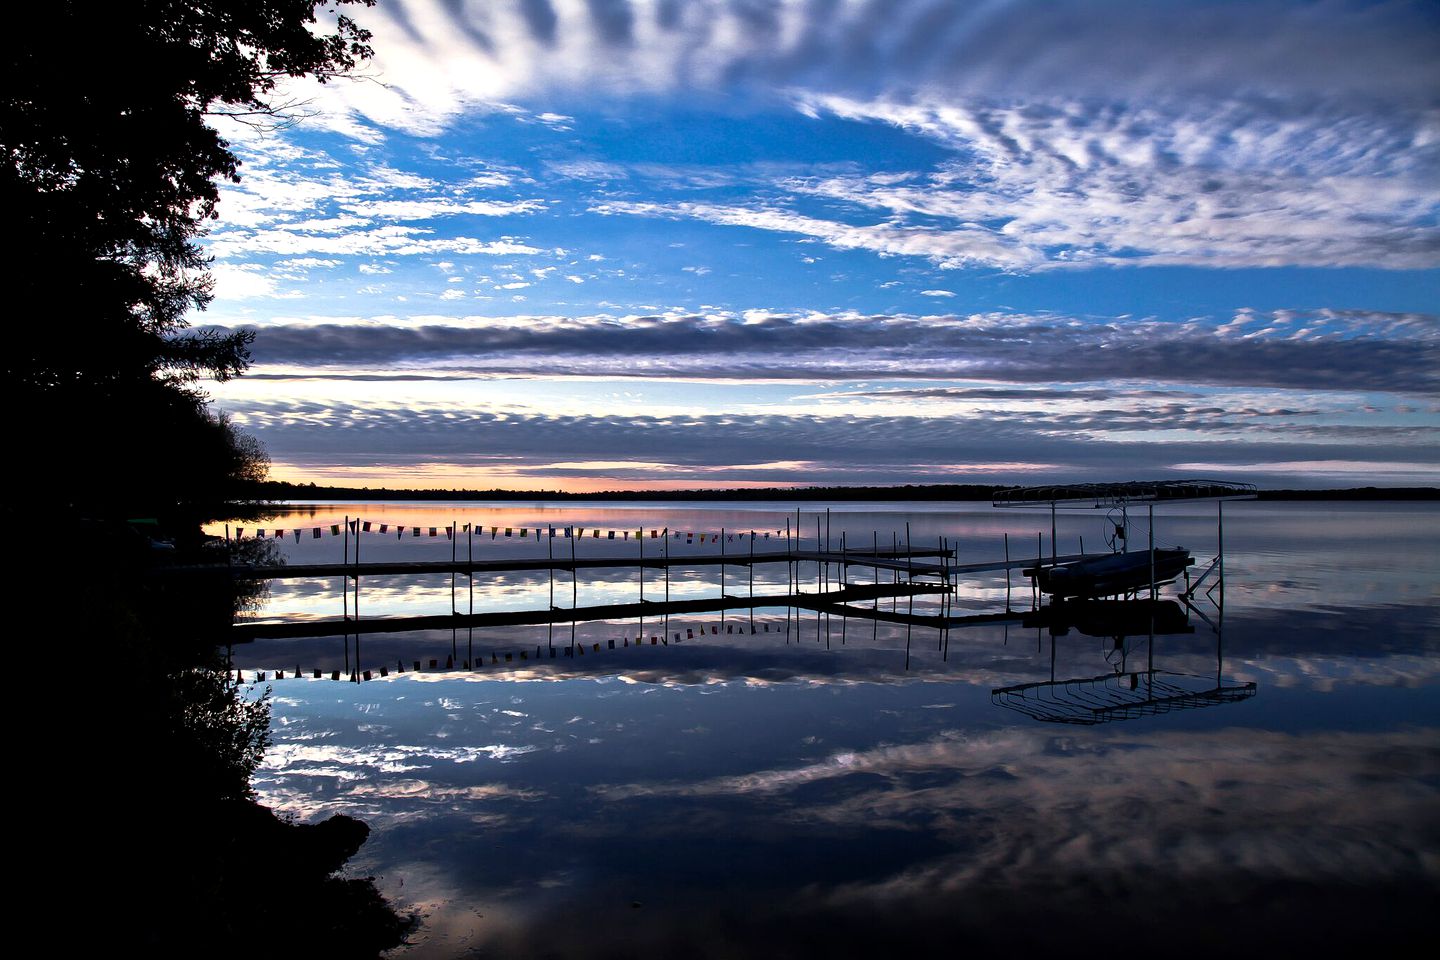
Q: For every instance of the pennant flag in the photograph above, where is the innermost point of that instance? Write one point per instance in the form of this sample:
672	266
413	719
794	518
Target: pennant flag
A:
552	533
384	528
654	534
239	532
767	534
689	634
677	534
467	528
524	534
280	534
610	537
354	524
677	638
297	536
317	534
767	628
729	628
714	629
334	529
568	532
415	532
626	535
366	526
597	534
507	531
450	533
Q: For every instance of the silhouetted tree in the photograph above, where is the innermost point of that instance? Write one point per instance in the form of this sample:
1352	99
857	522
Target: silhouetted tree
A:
108	178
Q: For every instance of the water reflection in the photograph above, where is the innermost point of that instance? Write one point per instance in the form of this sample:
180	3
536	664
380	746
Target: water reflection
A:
848	786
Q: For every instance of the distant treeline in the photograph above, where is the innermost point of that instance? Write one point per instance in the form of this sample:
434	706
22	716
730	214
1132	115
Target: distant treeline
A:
276	490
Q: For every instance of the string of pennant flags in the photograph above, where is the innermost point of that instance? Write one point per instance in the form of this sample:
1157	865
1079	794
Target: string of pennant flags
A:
514	534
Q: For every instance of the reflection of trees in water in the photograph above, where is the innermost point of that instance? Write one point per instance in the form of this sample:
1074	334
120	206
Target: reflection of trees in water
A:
169	746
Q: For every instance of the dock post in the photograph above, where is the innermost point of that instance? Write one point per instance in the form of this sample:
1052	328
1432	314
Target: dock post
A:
356	605
1054	554
722	570
751	572
827	552
1007	572
895	571
1035	580
1220	549
1153	588
875	603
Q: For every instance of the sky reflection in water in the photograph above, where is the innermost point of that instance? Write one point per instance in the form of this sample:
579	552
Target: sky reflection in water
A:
793	792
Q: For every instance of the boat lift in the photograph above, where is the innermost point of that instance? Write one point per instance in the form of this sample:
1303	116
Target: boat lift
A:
1117	498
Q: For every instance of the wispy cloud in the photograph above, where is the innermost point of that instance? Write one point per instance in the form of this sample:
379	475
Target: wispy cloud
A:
1315	350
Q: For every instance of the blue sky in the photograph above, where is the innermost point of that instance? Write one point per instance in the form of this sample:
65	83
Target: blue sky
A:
593	245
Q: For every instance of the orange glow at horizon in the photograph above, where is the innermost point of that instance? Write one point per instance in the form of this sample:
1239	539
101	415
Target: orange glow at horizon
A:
450	477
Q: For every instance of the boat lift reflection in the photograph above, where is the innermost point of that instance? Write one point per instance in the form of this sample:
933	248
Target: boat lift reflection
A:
1125	692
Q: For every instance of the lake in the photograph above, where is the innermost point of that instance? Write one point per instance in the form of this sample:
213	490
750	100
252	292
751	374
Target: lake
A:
778	782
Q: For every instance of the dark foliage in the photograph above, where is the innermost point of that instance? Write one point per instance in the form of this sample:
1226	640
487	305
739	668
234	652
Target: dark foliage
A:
155	843
109	175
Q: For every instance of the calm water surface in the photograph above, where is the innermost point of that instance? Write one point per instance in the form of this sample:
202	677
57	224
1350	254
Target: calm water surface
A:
786	784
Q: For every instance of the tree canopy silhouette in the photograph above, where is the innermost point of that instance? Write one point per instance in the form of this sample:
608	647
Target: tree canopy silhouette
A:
110	175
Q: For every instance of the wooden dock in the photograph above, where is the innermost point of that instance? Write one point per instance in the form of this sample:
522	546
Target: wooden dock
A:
833	601
912	561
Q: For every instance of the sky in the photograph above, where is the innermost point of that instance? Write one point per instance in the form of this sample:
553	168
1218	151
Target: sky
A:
606	244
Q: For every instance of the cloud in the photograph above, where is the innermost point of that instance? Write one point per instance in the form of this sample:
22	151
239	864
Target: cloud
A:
1291	134
727	449
1312	350
432	208
378	242
437	59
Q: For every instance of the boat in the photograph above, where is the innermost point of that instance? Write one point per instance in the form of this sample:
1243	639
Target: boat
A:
1112	574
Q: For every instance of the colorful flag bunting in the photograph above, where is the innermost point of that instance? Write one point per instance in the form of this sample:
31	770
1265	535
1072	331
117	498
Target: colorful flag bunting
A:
366	526
384	528
334	529
316	535
433	532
